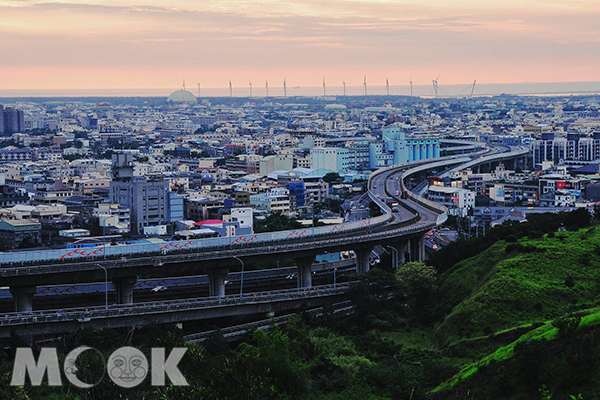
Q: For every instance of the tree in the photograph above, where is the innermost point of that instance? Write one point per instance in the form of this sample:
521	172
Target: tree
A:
579	218
27	243
418	281
374	209
276	222
5	244
417	278
331	177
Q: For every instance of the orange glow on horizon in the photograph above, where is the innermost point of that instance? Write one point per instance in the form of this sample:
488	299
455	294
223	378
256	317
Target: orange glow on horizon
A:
85	44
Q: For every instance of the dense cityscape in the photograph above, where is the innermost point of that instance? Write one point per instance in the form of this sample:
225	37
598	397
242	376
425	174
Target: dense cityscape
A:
75	171
349	200
333	187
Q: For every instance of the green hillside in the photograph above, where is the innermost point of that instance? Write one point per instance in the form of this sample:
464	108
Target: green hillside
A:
555	361
524	282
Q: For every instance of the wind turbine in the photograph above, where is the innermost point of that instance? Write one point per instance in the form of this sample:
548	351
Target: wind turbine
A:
435	86
473	88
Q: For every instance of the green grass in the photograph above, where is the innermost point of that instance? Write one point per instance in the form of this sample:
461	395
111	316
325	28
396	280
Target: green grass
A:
415	338
498	290
547	331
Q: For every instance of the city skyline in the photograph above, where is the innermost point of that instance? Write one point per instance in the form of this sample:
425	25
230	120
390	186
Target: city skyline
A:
107	44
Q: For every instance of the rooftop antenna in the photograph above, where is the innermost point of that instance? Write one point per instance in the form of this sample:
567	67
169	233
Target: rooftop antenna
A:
473	88
324	88
267	87
284	87
411	87
344	83
435	86
387	87
230	89
250	84
365	84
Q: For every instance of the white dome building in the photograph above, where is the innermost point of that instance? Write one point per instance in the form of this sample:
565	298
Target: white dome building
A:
182	96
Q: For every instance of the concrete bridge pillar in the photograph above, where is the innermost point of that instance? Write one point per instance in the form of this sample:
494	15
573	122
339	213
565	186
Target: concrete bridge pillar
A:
362	260
124	289
304	265
402	249
23	298
216	282
417	249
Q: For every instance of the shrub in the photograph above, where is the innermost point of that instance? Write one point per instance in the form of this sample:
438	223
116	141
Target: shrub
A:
511	238
512	247
535	234
566	325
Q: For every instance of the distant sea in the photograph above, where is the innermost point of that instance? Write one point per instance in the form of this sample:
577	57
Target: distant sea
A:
539	89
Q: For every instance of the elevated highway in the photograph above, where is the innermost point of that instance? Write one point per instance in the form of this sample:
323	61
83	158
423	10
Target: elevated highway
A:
49	323
502	154
400	229
23	271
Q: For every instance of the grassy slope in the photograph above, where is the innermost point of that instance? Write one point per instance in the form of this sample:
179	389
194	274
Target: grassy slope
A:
498	290
547	331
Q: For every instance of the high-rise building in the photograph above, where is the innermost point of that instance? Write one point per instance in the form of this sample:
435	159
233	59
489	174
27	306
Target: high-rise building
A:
571	148
148	200
1	120
14	120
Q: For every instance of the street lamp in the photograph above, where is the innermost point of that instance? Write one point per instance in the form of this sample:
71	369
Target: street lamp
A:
313	220
105	287
334	278
104	238
396	261
242	276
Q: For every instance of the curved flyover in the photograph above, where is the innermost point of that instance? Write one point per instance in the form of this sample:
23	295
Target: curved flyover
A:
401	228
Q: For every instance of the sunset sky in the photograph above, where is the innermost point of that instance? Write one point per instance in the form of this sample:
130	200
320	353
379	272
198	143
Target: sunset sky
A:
83	44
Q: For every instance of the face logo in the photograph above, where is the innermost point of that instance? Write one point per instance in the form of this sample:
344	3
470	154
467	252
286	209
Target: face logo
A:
127	367
70	367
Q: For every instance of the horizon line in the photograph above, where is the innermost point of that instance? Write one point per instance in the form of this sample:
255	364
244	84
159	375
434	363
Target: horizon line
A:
310	86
